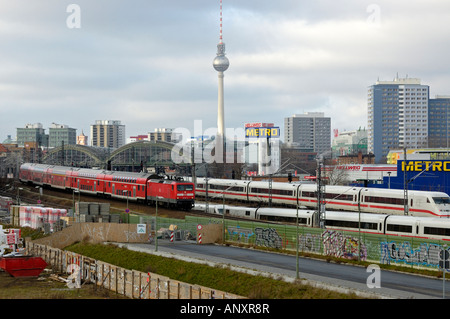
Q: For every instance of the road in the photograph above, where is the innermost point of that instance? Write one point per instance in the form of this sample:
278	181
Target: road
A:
317	272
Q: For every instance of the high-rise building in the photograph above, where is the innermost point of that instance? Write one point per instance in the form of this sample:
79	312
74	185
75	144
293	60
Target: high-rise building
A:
397	116
108	133
165	135
34	133
310	132
59	133
439	121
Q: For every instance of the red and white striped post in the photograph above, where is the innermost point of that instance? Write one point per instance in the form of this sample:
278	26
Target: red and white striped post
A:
199	234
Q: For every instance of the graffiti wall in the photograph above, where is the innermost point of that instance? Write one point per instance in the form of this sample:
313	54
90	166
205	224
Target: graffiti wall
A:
424	254
328	242
331	243
338	244
267	237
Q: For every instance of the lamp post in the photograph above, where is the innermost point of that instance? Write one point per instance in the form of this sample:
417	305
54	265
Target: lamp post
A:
296	262
223	217
39	188
156	225
389	179
18	195
73	203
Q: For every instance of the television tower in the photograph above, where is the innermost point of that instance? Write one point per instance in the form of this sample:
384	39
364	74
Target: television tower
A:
220	64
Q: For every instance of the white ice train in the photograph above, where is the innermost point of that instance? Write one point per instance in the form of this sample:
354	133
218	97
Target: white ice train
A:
340	198
410	226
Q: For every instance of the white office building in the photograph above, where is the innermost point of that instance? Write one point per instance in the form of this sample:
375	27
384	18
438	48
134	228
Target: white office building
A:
397	116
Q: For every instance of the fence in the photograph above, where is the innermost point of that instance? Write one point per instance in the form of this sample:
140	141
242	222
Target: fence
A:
383	249
344	244
130	283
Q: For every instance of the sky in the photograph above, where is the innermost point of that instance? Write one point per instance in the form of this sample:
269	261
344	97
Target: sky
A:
148	63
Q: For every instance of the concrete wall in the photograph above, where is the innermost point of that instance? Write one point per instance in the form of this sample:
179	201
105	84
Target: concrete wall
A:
210	234
120	233
94	233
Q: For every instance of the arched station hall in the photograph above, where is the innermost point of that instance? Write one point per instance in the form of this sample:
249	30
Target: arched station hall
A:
152	156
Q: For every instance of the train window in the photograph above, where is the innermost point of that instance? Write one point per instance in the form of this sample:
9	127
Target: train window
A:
247	213
384	200
399	228
283	219
436	231
351	224
185	187
309	194
441	200
266	191
260	190
282	192
339	196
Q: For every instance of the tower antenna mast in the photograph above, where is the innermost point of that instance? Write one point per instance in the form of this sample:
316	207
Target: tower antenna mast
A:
220	64
220	22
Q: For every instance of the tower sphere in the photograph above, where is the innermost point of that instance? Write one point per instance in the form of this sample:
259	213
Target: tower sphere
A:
221	63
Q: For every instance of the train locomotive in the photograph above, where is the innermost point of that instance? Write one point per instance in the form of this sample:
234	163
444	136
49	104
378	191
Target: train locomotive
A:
338	198
139	187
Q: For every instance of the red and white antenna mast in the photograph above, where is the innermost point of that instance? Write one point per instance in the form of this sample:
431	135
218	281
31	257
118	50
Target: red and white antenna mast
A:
220	22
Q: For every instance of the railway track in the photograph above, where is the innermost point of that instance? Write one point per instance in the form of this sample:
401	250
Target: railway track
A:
60	199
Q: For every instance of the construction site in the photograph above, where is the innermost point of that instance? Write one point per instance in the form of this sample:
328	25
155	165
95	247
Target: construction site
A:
89	222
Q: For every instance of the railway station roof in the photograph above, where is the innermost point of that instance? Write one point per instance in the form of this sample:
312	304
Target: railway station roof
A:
149	153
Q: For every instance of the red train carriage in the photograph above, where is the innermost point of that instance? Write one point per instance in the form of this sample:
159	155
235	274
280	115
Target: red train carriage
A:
125	185
56	176
32	173
171	193
86	180
122	185
25	173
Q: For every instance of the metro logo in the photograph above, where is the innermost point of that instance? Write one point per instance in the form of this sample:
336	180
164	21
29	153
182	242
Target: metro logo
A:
419	166
262	132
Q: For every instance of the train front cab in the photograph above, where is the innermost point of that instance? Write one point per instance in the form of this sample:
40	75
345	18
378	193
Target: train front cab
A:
438	203
185	195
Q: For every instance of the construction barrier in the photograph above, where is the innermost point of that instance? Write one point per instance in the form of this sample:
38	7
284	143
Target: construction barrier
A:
130	283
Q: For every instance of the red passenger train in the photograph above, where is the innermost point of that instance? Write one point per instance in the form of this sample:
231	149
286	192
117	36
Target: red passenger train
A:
122	185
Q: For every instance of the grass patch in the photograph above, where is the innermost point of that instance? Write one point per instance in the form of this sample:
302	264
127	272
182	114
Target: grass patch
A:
219	278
